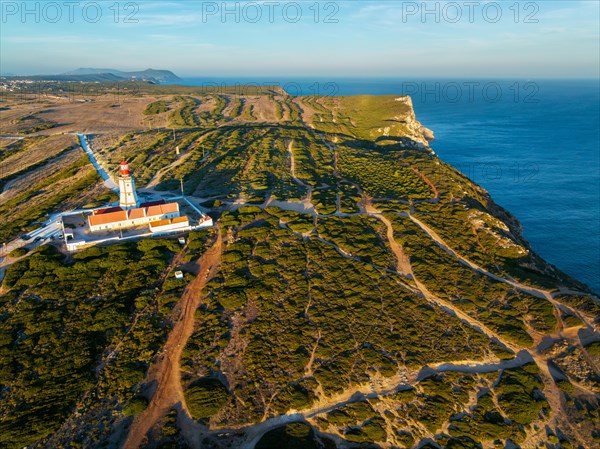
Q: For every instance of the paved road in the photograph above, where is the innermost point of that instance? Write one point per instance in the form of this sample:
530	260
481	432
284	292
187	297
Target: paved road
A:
108	181
38	237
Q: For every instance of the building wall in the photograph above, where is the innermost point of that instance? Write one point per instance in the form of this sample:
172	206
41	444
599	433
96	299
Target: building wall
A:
170	227
207	223
74	246
129	223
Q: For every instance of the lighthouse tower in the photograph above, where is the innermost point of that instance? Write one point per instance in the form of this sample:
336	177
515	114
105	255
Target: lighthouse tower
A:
128	195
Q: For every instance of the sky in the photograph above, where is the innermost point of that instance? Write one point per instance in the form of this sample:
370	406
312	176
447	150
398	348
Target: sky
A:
305	38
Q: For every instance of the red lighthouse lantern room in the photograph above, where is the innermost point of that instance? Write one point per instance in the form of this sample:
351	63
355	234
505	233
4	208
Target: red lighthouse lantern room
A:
124	168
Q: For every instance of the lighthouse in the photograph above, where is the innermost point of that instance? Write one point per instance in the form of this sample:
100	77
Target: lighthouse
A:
128	196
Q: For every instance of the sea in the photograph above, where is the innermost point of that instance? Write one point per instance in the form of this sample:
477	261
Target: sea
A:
533	144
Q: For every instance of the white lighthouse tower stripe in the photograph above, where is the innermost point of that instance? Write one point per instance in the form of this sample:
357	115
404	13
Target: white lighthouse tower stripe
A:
128	198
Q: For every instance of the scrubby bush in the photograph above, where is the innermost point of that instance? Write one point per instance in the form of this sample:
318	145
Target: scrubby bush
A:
18	252
205	397
593	348
157	107
136	406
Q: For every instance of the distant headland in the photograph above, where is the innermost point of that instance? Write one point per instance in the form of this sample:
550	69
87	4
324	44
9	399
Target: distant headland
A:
93	74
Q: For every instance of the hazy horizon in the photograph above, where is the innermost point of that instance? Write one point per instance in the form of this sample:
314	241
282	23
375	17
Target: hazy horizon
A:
313	77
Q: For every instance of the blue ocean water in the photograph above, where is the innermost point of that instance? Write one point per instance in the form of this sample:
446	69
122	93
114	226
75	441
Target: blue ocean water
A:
533	144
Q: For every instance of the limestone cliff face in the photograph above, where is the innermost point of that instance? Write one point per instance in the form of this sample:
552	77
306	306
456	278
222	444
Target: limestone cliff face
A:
417	131
375	118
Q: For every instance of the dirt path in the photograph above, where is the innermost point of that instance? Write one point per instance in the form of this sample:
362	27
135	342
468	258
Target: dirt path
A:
545	294
436	193
6	189
157	178
403	262
304	207
405	267
537	292
475	324
551	390
386	386
308	369
166	372
553	396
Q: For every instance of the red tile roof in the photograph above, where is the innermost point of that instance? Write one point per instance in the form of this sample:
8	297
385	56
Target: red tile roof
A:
136	213
111	217
133	214
168	208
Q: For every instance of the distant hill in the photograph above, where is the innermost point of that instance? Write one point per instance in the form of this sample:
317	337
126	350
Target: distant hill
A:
160	76
107	75
100	77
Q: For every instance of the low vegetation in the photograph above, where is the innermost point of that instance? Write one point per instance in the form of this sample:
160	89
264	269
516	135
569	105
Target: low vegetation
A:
57	192
72	311
205	397
306	315
157	107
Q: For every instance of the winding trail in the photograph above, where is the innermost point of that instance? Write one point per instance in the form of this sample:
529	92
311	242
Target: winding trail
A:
7	187
544	294
376	388
539	293
405	269
157	178
166	372
436	193
403	261
524	355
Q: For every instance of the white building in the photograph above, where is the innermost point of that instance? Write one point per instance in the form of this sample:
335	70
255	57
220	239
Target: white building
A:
160	217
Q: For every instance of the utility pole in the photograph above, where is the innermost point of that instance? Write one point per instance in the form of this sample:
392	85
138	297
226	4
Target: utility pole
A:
181	181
